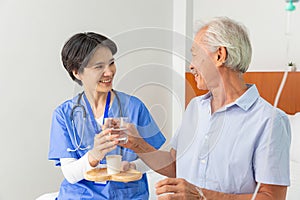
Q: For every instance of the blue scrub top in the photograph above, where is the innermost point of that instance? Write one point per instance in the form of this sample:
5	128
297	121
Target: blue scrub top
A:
62	137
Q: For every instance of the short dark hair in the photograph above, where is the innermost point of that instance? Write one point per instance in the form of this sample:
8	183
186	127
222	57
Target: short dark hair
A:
79	47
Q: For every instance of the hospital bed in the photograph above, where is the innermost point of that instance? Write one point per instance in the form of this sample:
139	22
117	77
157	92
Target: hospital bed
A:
268	84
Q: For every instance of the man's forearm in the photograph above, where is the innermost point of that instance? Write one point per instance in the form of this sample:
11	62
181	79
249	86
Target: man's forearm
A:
266	192
160	161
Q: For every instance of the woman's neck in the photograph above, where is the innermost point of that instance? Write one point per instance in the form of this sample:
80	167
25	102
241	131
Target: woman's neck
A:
98	102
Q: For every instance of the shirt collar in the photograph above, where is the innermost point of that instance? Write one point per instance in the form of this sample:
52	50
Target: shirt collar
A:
248	98
245	101
206	96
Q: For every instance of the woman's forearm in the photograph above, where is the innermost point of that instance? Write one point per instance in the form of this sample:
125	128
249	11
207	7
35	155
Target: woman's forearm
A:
74	169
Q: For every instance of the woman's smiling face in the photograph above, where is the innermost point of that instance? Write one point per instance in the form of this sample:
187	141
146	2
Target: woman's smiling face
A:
98	75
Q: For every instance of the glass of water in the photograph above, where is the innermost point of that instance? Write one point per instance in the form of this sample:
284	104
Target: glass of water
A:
118	125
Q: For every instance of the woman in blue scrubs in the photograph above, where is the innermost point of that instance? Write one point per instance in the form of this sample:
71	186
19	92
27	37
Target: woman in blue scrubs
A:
77	142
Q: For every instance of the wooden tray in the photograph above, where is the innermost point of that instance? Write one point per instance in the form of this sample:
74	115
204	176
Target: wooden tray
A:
100	174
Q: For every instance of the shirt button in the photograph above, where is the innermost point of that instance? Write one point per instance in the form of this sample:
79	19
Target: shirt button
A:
203	161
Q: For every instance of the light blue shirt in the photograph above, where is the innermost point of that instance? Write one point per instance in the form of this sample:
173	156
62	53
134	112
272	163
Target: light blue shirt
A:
62	138
243	143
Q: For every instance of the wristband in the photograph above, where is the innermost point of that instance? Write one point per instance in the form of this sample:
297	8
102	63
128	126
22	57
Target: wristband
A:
200	193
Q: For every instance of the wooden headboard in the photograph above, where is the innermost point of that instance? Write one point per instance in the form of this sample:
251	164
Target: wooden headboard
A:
267	84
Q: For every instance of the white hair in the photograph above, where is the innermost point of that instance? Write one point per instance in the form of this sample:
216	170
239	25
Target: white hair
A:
225	32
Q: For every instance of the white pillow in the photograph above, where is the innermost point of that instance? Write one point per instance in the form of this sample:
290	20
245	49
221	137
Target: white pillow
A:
294	190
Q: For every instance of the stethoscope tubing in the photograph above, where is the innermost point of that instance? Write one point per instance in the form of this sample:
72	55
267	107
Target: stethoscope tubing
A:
84	115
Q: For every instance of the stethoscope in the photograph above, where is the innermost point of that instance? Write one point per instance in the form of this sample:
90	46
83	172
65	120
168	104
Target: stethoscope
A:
84	114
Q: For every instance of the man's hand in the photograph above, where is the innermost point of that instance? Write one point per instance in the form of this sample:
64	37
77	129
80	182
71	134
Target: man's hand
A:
176	188
133	138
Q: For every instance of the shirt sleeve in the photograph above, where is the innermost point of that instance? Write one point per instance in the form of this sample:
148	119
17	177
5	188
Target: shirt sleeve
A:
271	157
174	139
186	121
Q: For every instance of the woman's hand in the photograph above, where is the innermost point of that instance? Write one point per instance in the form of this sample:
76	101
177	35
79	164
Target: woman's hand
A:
127	165
104	142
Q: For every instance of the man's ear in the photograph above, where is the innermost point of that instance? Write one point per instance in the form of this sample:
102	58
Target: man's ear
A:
221	55
76	74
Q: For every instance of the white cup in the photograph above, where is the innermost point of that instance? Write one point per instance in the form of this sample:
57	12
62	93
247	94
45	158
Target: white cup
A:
114	163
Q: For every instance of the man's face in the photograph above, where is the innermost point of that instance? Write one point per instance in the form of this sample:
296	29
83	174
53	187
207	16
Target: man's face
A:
202	65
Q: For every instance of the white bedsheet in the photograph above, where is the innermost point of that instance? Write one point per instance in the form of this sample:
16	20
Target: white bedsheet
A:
48	196
294	189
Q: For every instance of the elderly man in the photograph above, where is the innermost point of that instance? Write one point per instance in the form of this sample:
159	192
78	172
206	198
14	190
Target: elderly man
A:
231	141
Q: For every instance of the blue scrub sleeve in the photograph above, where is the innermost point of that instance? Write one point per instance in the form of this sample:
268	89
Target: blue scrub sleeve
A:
148	128
59	138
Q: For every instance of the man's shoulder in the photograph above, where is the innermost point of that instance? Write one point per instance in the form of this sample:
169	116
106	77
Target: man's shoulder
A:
269	110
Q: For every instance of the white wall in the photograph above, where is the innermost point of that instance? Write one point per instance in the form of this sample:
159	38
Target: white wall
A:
267	23
33	81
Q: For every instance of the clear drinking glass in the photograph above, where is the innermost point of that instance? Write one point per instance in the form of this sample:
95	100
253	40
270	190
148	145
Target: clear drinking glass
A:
118	125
